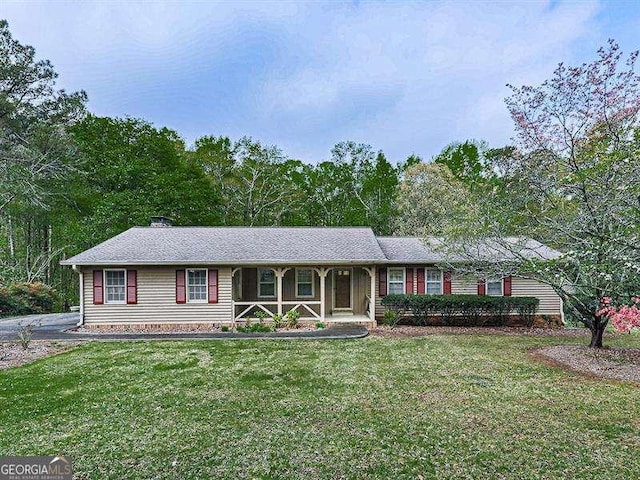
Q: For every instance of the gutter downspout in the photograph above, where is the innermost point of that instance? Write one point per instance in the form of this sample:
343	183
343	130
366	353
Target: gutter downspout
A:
75	269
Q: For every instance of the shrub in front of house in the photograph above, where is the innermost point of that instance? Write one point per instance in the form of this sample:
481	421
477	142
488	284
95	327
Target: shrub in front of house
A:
26	298
255	328
292	317
462	310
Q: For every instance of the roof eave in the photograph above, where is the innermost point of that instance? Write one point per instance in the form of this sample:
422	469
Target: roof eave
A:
228	263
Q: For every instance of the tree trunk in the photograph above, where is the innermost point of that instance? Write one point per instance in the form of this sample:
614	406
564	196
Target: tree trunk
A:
596	334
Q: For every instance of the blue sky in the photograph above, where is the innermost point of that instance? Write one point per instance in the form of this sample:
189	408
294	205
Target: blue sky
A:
405	77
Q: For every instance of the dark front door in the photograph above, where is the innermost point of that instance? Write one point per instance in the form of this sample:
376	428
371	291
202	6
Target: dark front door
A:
343	288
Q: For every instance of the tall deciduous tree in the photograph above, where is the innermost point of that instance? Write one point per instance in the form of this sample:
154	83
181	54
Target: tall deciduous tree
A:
34	115
432	202
130	171
258	183
574	182
36	152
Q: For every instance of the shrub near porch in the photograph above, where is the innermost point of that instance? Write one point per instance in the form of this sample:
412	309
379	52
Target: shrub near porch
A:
464	310
440	406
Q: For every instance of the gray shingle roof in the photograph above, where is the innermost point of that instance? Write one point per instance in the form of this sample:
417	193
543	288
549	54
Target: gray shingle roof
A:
271	246
416	250
233	245
408	250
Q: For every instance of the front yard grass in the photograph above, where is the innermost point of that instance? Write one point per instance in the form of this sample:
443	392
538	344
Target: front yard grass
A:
447	406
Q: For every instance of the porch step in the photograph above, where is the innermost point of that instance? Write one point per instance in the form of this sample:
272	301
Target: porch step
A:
340	313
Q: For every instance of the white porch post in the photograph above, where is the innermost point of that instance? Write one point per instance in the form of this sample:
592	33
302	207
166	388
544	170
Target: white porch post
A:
81	288
81	322
233	299
279	272
322	274
372	299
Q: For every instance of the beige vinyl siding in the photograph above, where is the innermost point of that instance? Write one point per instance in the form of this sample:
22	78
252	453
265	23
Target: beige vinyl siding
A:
550	302
464	285
157	300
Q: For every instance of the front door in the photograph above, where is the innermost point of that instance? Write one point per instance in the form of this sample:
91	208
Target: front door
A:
343	288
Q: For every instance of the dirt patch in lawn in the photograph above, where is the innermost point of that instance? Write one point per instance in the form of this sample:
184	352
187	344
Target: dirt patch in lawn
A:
401	331
612	363
13	355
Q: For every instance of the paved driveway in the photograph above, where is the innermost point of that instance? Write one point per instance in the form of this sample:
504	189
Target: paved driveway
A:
44	325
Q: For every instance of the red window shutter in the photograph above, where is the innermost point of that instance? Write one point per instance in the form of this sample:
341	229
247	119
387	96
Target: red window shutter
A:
382	281
482	286
213	286
98	289
446	283
507	286
409	281
132	287
420	281
181	287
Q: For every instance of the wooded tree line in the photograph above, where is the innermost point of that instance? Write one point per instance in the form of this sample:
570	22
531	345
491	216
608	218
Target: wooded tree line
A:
69	180
122	171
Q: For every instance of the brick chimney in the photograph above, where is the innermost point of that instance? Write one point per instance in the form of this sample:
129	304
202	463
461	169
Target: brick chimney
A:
160	221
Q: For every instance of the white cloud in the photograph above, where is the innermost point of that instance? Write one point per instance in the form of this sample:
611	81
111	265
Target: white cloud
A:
450	62
405	77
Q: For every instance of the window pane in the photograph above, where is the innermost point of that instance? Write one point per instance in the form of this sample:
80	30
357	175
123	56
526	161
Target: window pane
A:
266	283
197	277
267	290
304	275
396	287
494	287
304	286
114	286
197	284
434	275
266	276
115	278
395	275
434	288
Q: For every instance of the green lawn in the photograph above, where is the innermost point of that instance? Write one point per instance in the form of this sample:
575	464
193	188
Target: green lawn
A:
439	406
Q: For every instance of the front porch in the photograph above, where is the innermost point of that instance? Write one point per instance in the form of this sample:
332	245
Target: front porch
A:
327	294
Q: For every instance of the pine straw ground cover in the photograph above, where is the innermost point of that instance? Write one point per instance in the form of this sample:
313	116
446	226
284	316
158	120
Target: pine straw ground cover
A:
12	354
440	406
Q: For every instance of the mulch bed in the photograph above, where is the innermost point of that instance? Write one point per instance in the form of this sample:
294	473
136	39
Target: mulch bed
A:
402	331
151	330
13	355
613	363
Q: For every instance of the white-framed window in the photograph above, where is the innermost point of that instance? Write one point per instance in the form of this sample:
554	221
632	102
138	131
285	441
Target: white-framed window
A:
304	282
494	287
396	280
197	285
433	281
266	282
115	286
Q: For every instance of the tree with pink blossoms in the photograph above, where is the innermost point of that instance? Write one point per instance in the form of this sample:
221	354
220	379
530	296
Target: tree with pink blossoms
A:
573	183
623	318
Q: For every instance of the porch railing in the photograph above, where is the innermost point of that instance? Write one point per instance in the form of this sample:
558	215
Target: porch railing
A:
305	308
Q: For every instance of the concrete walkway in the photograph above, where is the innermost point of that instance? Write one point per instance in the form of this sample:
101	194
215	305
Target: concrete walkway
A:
55	326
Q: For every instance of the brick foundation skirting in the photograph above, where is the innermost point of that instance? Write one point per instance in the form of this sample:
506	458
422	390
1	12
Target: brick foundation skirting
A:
195	327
